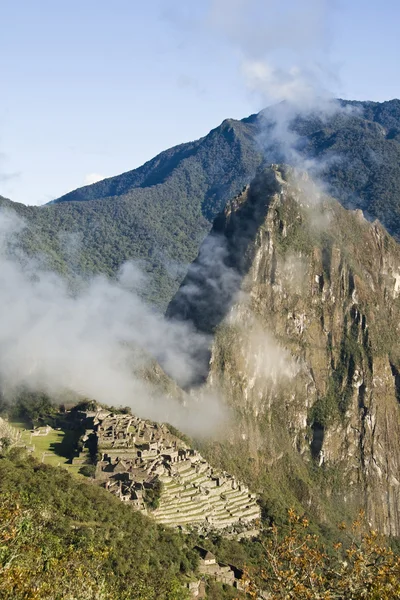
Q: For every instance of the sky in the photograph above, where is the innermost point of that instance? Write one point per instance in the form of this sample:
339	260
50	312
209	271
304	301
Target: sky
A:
93	88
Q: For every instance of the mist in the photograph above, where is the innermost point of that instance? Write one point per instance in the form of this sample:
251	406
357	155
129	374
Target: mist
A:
283	53
94	340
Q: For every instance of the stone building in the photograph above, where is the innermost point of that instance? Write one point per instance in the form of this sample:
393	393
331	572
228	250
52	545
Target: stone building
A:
135	455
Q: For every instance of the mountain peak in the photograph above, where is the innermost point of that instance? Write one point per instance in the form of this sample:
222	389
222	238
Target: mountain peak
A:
292	287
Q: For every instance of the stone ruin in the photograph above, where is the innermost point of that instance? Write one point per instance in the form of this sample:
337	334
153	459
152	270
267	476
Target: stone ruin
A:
209	567
136	456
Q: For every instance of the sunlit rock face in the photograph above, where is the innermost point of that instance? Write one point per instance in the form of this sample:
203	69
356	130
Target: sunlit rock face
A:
303	304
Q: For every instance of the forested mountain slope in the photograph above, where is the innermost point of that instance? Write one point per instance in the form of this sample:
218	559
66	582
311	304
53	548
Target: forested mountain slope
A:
160	213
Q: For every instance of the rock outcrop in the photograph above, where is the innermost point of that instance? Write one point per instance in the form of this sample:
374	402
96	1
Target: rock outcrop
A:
303	299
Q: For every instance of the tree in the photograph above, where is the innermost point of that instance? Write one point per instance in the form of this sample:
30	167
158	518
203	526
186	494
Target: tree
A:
298	566
5	443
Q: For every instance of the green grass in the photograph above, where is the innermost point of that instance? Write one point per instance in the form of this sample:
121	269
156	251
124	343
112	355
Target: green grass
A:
52	449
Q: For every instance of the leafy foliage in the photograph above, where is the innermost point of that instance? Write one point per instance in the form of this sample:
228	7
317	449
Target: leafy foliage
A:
65	539
153	495
297	565
34	408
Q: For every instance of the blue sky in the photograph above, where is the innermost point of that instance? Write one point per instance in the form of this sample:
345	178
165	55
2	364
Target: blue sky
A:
92	88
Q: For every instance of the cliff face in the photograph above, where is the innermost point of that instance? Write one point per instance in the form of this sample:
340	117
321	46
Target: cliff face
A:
304	301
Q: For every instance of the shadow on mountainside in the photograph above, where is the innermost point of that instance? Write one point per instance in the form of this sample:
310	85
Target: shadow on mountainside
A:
213	280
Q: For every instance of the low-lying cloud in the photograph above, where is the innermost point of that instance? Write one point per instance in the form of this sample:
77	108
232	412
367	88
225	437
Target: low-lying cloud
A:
283	53
93	178
94	341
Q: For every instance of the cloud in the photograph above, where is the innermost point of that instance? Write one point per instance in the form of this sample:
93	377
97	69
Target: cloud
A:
283	52
266	25
295	85
93	178
257	352
283	47
5	175
190	83
94	340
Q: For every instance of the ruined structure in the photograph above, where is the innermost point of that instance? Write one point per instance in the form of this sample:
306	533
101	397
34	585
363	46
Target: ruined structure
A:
144	464
227	574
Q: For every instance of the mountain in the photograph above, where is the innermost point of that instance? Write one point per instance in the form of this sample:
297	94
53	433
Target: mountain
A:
303	301
160	213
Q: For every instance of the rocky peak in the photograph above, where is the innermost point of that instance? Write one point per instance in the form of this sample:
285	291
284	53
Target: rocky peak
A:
302	297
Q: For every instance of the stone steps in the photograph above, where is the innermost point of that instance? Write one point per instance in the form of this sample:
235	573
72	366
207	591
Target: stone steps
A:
185	501
249	515
233	493
217	506
180	519
213	492
196	478
188	492
241	509
239	502
203	467
182	507
171	487
199	515
252	510
182	467
194	508
193	512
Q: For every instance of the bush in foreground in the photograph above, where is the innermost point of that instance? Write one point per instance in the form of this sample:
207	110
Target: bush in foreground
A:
298	566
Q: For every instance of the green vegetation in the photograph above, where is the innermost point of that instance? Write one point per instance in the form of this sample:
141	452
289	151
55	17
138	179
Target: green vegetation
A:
298	566
153	495
55	448
158	214
74	538
67	534
62	539
34	409
88	470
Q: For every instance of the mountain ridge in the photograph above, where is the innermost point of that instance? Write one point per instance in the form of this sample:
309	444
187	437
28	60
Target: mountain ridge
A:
159	214
373	111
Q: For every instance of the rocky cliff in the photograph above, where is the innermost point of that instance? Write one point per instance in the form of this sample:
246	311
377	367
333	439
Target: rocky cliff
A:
303	299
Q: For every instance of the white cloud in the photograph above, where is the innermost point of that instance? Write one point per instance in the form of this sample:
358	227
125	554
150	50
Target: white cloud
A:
94	340
283	47
295	85
93	178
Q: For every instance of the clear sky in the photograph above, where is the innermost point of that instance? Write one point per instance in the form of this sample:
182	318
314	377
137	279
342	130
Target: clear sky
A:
93	88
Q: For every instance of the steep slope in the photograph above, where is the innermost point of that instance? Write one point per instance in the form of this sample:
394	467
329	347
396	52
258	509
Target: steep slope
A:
151	468
362	138
358	143
303	299
65	538
160	213
157	215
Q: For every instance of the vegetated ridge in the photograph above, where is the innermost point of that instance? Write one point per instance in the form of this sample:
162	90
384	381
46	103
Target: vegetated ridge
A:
159	214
